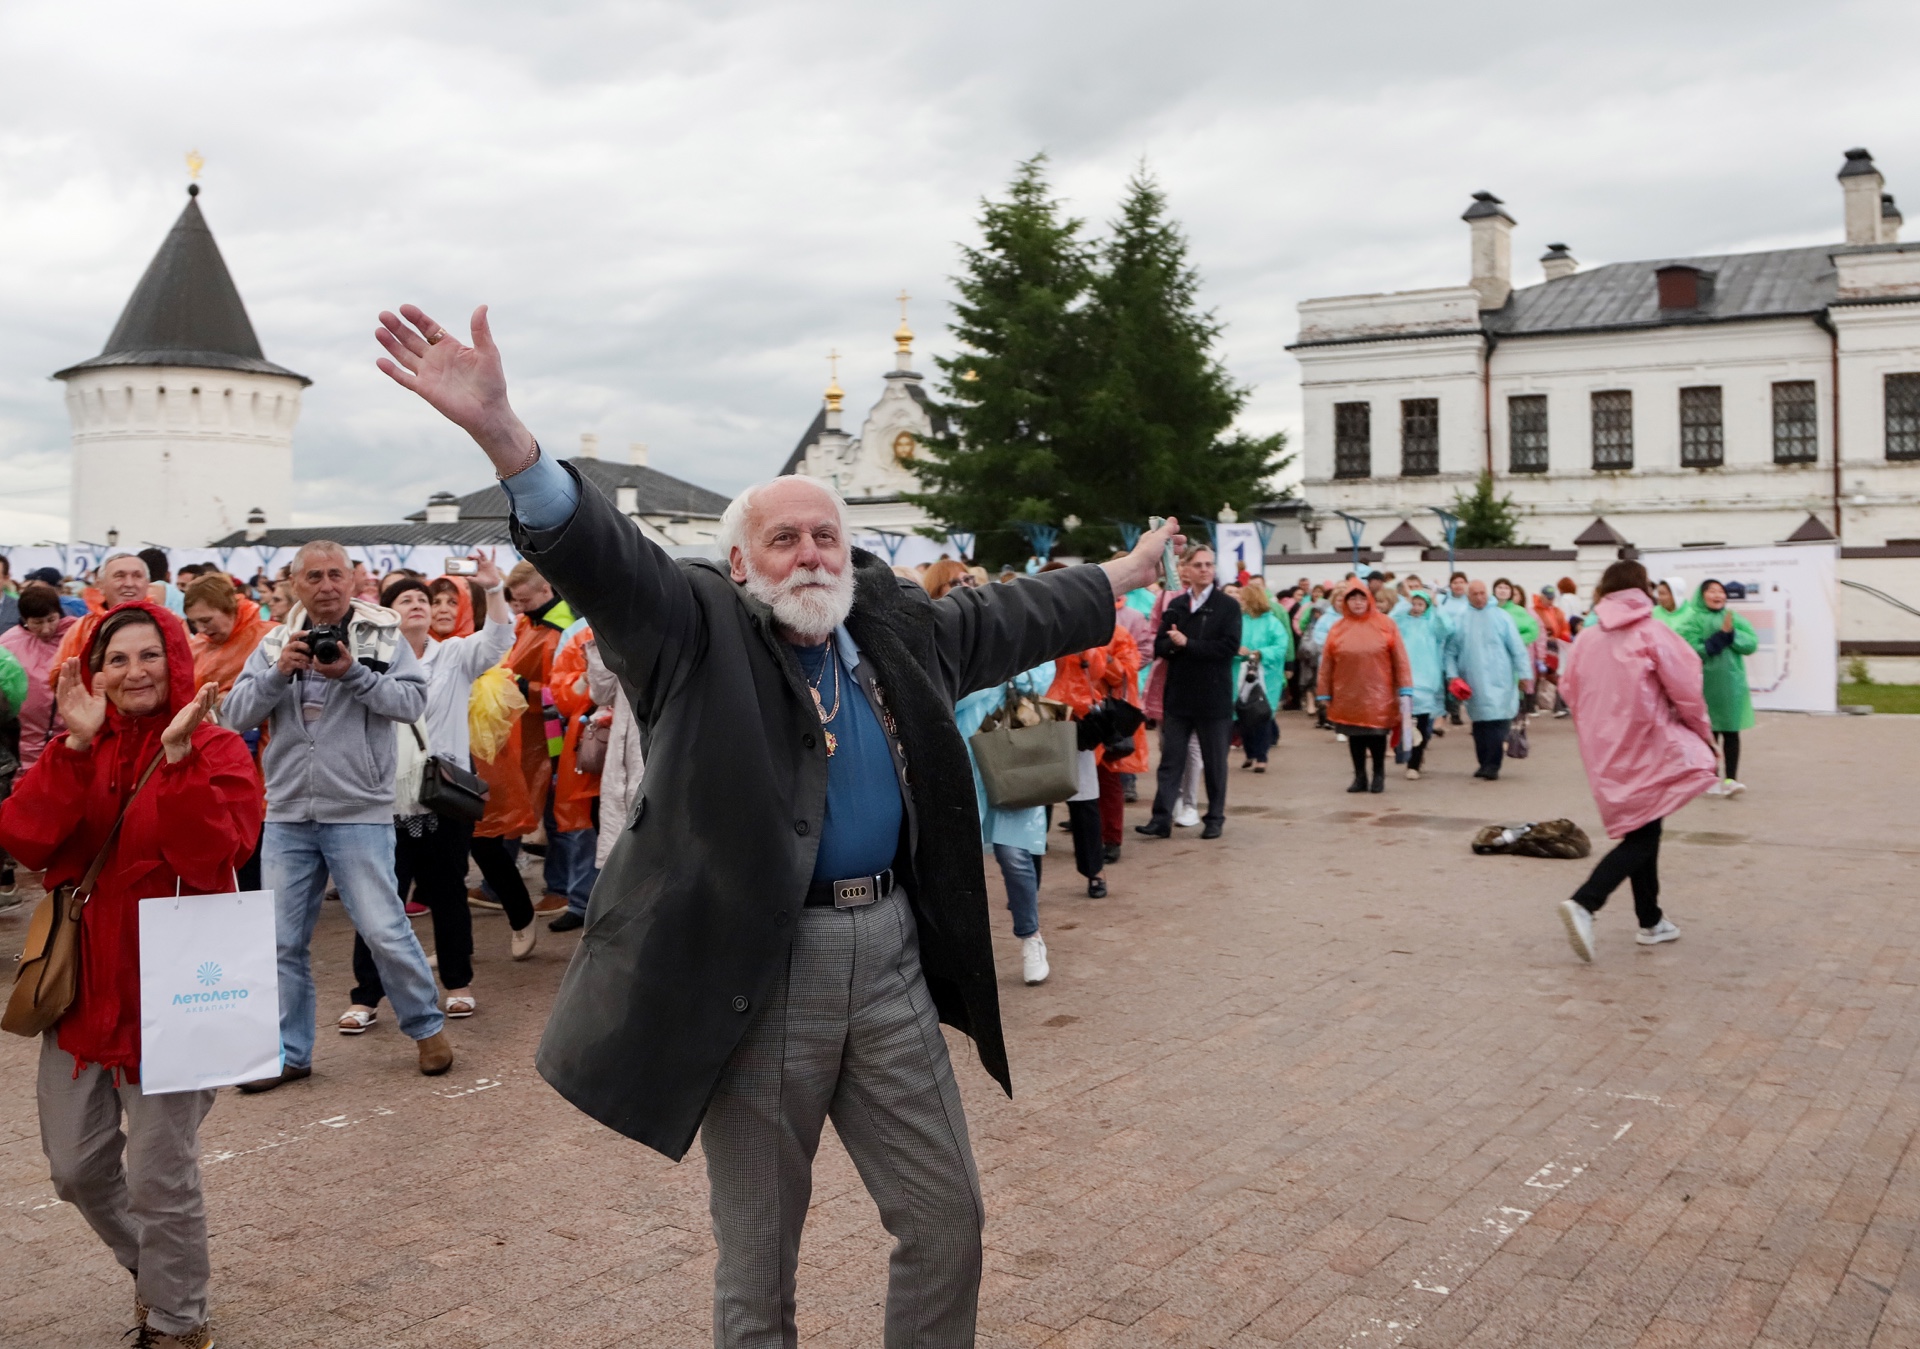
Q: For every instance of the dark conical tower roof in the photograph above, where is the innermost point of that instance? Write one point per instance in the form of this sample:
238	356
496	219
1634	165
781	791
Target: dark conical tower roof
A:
185	311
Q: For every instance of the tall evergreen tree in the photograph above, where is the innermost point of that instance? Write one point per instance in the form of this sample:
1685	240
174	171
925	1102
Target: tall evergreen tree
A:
1153	434
1012	395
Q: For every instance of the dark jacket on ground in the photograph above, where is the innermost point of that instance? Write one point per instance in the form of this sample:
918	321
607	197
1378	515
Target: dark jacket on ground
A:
694	912
1199	674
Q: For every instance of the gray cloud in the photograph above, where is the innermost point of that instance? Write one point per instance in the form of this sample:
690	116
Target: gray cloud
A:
675	210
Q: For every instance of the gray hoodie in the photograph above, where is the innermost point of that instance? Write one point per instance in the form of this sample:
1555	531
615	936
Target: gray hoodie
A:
339	768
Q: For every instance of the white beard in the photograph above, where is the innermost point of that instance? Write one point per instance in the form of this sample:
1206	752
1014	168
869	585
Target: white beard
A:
810	603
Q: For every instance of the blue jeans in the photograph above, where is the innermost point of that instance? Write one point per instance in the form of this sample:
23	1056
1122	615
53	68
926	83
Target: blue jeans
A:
296	861
1020	870
569	868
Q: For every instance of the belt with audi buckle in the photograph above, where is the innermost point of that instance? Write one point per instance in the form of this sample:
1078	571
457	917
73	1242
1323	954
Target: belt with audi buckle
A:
856	892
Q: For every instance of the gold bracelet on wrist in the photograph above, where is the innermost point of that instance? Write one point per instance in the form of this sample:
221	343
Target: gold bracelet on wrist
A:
531	458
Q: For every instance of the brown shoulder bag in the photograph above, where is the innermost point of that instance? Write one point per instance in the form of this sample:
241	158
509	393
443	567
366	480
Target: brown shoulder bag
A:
43	987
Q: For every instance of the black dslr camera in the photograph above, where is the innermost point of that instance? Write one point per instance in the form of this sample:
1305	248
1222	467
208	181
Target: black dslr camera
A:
325	642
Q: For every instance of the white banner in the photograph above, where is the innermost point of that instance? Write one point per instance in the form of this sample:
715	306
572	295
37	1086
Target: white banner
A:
1790	602
209	991
429	559
1236	548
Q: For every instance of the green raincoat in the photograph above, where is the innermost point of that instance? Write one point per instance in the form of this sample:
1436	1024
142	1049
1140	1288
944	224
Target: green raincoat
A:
1529	625
1724	674
1266	634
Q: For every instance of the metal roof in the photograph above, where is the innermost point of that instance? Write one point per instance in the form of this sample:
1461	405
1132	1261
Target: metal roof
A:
483	514
1775	284
185	311
655	493
807	437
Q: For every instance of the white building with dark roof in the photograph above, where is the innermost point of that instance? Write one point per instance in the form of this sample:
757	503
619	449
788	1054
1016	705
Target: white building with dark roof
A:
182	427
1688	400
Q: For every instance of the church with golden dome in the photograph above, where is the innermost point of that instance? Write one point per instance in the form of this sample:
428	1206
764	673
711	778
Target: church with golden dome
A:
872	469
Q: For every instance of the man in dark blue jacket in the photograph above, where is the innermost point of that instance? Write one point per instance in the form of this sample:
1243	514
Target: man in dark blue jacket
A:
1199	637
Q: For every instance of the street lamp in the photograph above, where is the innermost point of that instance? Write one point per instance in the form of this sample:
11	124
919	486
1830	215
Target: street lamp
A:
1451	524
1356	528
113	537
1309	524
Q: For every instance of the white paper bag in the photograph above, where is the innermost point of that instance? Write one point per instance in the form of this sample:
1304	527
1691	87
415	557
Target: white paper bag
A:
209	991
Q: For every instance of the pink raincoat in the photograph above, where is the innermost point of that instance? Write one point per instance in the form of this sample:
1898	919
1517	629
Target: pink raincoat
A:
1634	687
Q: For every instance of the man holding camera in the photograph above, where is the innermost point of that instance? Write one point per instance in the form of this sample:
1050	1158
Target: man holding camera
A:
332	683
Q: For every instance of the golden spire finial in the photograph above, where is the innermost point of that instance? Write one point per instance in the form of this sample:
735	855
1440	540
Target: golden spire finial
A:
903	335
834	392
194	164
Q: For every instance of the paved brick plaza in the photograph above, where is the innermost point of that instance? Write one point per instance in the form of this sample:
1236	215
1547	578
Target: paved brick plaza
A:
1330	1081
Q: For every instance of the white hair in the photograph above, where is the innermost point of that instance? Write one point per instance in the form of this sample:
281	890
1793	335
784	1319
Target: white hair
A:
317	546
733	520
115	557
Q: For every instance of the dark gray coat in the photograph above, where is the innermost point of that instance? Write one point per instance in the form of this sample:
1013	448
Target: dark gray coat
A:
694	912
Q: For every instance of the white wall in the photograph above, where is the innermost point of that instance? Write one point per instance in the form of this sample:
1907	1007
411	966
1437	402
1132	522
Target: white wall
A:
176	454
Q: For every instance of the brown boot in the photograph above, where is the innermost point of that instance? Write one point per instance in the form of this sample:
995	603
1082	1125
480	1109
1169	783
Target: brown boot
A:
436	1054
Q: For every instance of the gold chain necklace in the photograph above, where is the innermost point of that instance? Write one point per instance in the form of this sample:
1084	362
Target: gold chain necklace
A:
813	687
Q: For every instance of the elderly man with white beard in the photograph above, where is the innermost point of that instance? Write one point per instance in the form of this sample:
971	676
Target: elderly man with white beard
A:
796	901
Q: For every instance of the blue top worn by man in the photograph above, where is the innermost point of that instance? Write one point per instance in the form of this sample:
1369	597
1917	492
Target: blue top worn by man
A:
796	900
334	683
1485	650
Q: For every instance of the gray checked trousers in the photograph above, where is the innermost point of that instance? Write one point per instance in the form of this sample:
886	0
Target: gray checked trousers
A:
139	1190
847	1033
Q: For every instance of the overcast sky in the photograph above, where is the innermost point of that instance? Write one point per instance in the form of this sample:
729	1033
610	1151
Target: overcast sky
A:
675	210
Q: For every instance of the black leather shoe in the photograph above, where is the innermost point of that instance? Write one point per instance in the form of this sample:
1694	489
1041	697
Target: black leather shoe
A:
1096	888
286	1074
1154	830
1359	785
567	922
1111	852
1211	830
1379	783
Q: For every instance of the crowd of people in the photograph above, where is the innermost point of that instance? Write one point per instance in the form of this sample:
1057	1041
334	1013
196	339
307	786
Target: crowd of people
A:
328	734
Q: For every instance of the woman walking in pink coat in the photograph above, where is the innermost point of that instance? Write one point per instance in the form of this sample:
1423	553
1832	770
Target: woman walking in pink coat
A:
1634	687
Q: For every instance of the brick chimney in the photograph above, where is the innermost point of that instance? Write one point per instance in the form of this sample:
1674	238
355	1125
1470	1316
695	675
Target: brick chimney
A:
1492	230
1557	262
1890	220
1860	188
443	508
589	445
637	453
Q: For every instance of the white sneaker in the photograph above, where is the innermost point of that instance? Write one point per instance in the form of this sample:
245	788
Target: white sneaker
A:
1033	959
1187	817
1734	787
1719	788
1413	775
1664	930
522	942
1579	929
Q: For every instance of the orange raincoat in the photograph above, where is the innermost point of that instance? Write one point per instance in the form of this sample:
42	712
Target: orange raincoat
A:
518	777
573	791
1099	672
1364	666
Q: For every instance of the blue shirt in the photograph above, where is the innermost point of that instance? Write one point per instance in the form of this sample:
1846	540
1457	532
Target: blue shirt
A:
861	831
864	811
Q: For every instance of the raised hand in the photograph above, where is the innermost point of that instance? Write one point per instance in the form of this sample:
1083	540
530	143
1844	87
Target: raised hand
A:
177	739
84	710
465	384
486	571
1142	565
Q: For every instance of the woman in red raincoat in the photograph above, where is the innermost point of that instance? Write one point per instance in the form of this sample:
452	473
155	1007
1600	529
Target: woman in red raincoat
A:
129	704
1364	675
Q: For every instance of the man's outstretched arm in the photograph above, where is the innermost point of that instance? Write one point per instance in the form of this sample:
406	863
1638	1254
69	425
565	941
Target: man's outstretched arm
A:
641	606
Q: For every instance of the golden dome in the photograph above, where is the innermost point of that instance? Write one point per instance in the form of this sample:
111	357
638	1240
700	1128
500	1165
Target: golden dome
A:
834	393
903	337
